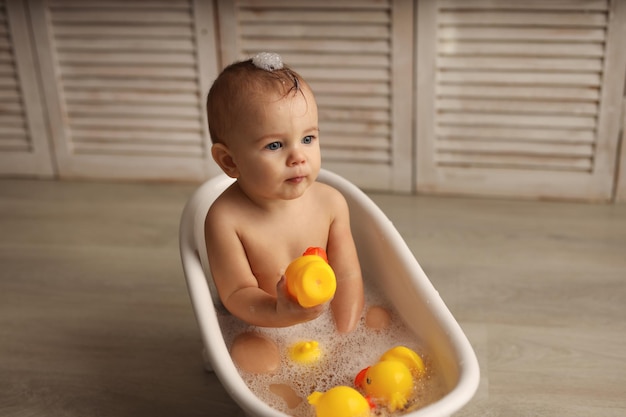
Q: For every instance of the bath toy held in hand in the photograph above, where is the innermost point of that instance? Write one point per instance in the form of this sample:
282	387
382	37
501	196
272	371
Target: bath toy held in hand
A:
310	279
340	401
390	382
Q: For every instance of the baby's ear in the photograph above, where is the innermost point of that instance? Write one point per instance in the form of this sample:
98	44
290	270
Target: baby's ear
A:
222	156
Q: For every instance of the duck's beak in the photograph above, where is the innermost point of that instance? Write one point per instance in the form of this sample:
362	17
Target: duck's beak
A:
360	378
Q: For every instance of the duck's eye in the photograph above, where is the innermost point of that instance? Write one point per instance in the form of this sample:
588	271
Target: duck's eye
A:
368	381
274	146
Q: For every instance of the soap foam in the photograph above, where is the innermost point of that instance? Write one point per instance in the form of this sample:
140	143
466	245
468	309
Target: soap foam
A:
343	356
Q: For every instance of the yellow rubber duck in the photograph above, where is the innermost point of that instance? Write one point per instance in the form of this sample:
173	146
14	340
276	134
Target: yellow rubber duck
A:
310	279
390	382
306	352
340	401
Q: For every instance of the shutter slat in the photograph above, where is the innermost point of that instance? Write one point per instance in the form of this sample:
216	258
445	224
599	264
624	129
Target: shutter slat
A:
16	136
315	14
126	148
133	16
340	89
470	33
120	4
127	97
253	45
514	161
99	135
122	32
325	60
482	119
514	77
520	92
360	102
517	49
130	58
352	128
559	18
351	114
508	133
345	74
334	31
142	123
514	5
515	148
344	141
355	156
138	45
326	4
516	107
128	71
133	85
117	109
9	105
513	63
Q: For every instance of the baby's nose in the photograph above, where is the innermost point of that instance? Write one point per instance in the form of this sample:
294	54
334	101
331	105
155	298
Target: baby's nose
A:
296	157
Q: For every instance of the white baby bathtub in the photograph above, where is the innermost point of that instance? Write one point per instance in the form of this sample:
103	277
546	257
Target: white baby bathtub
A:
384	257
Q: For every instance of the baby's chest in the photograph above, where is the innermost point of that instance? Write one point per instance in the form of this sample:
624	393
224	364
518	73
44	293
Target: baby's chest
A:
271	249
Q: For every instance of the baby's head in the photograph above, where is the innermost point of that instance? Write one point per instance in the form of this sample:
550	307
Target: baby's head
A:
243	86
264	128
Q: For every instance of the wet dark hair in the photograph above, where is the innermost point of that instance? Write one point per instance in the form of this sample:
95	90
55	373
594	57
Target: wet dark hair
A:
231	92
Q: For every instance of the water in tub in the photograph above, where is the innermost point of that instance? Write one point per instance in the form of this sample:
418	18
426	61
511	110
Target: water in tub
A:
286	384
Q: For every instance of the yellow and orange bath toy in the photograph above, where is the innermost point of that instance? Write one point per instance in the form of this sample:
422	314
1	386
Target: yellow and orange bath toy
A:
310	279
340	401
390	382
307	352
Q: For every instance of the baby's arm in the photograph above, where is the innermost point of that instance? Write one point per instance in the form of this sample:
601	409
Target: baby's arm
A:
237	286
347	305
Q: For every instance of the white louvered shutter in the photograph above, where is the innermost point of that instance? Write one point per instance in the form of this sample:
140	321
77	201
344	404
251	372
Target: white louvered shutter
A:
24	145
124	83
519	98
356	55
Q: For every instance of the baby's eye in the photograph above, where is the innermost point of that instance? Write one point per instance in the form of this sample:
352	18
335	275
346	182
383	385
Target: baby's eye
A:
307	139
274	146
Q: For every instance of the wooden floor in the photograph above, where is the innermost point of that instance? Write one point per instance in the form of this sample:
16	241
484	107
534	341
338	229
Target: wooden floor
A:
95	319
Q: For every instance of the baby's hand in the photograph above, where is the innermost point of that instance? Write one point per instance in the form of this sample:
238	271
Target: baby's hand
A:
288	307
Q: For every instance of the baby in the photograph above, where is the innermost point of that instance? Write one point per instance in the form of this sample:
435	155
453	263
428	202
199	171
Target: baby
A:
263	123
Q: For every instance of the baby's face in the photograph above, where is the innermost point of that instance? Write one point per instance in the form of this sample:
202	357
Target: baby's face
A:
276	146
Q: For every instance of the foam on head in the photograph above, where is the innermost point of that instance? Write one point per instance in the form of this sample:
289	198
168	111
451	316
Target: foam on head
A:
269	61
240	84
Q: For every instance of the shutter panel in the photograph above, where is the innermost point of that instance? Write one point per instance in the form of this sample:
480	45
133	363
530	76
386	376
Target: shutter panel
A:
354	56
24	148
125	82
520	101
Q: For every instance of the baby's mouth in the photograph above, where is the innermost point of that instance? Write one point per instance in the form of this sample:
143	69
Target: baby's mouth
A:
296	180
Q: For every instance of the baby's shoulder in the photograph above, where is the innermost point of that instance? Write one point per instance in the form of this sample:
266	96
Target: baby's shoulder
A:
329	196
226	206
